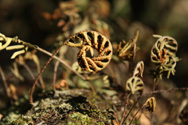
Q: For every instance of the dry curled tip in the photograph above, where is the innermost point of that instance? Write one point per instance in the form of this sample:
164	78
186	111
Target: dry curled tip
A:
127	50
150	104
139	69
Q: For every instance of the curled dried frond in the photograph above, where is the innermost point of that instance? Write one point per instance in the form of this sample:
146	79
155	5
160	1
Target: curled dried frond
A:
135	84
127	50
22	47
164	47
150	104
69	15
169	44
163	54
89	40
139	69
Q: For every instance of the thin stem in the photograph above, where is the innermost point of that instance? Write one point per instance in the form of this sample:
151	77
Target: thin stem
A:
42	70
28	70
136	114
154	84
38	70
64	63
40	78
15	39
55	71
125	109
167	90
116	122
37	78
42	82
5	83
131	109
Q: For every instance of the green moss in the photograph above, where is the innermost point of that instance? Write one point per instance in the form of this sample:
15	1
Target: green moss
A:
81	119
23	120
10	118
65	107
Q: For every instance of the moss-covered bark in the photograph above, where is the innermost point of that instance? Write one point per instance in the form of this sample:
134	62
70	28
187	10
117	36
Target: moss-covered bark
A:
71	107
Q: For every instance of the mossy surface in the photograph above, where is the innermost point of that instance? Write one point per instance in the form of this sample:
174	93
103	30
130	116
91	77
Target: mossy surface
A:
70	107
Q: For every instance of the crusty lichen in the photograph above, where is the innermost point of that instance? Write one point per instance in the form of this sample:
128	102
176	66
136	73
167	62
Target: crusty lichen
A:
66	107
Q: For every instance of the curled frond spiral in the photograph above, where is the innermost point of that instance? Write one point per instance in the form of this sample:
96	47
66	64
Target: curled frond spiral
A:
88	41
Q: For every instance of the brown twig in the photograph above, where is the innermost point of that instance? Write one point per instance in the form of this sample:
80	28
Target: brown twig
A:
37	78
125	109
136	114
167	90
64	63
55	70
42	70
130	110
41	79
